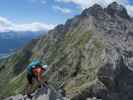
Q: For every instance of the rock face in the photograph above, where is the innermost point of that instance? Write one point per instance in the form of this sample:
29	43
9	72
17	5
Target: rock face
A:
117	10
40	94
90	56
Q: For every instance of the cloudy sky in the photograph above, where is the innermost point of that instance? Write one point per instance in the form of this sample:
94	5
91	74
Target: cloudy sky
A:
35	15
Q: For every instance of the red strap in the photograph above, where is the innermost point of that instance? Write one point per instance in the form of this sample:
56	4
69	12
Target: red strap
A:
38	70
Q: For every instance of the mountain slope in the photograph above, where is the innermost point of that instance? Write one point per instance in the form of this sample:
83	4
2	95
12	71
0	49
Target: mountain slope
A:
90	56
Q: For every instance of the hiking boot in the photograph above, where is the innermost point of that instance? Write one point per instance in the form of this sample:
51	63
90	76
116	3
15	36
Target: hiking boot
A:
46	82
29	96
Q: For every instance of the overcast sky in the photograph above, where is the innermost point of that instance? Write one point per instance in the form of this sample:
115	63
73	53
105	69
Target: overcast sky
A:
35	15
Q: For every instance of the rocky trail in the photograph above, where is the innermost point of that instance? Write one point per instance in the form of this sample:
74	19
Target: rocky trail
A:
44	94
40	94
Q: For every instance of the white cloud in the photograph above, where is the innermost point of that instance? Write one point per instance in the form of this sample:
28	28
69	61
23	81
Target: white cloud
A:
6	25
88	3
35	26
63	10
130	9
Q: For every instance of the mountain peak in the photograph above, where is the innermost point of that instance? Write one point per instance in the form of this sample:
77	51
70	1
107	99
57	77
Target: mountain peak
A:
115	9
94	10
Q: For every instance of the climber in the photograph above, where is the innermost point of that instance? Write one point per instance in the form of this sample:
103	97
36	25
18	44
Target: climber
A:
34	72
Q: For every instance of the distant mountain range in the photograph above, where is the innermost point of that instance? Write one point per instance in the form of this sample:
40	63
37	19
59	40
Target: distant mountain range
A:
10	41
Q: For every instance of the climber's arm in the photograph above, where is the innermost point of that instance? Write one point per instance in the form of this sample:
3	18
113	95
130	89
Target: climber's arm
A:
39	76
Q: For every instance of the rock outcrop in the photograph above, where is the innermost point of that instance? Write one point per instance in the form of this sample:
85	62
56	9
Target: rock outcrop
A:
117	10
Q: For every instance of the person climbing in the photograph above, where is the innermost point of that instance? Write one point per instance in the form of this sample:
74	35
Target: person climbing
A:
34	72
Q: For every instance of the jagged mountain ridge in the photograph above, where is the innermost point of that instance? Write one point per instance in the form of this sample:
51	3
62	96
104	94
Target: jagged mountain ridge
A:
89	56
